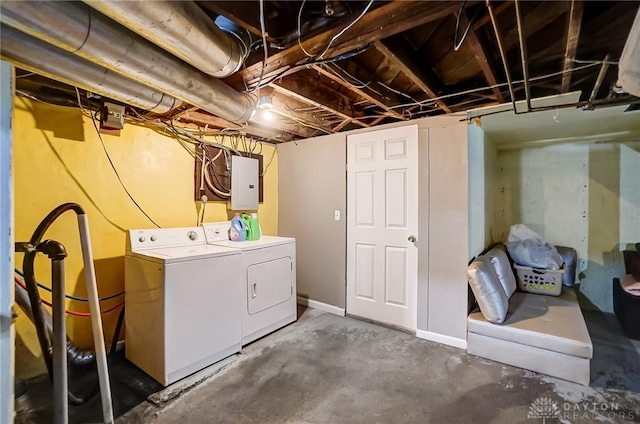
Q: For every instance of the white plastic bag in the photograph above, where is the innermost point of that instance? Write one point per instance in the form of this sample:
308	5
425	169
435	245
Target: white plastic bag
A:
527	248
520	232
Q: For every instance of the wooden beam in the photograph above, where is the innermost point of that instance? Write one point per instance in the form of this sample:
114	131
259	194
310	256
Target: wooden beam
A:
203	118
486	19
233	10
387	20
285	106
282	122
304	87
396	51
486	62
539	17
341	125
369	95
282	105
574	22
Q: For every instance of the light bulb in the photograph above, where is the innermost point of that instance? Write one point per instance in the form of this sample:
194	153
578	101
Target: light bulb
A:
267	115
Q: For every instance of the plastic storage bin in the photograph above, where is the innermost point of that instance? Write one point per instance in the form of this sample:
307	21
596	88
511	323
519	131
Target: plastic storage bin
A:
539	281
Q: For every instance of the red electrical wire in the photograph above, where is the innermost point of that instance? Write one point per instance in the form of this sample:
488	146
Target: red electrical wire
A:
75	313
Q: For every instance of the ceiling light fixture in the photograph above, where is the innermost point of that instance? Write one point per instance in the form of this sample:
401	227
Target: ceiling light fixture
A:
265	104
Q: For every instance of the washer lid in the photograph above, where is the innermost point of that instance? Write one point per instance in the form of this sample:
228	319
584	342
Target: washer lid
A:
185	253
265	241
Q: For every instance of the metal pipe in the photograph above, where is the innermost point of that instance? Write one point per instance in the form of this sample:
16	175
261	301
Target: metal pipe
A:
181	28
75	356
494	23
57	253
60	384
37	56
77	28
596	87
96	318
94	308
523	55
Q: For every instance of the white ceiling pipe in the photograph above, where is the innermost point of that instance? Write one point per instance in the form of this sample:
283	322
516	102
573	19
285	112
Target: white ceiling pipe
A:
181	28
77	28
44	59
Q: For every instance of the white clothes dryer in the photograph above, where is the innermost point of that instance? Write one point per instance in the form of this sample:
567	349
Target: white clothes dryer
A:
269	280
183	300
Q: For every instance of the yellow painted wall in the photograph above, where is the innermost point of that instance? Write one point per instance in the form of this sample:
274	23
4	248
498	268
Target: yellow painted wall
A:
58	158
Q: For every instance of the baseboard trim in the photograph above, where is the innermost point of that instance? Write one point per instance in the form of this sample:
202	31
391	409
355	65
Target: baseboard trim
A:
320	306
441	338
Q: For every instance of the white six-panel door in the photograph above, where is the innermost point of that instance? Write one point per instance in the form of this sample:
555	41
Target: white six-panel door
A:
382	225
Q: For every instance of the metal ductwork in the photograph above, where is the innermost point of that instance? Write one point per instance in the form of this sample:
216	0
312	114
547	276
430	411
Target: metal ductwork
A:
77	28
37	56
183	29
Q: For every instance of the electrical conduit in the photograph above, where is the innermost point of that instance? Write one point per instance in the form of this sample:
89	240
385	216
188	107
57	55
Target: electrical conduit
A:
181	28
44	59
77	28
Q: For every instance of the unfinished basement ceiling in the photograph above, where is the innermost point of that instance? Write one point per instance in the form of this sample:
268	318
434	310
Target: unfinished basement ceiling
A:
338	65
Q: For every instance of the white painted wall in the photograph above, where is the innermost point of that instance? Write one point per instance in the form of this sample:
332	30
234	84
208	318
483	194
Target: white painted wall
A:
491	206
6	247
311	187
586	196
629	194
312	170
483	178
477	188
448	233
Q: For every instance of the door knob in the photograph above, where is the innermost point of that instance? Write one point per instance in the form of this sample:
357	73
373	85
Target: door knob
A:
412	239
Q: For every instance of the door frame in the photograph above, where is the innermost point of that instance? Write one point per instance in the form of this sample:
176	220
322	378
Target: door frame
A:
7	332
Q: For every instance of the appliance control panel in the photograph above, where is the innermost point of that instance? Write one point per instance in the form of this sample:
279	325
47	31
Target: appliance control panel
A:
165	237
216	231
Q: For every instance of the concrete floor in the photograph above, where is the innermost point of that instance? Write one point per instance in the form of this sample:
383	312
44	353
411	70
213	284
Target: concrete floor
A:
330	369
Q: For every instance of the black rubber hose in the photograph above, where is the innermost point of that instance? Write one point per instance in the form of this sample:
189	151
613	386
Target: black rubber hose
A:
75	356
49	219
30	279
37	311
116	333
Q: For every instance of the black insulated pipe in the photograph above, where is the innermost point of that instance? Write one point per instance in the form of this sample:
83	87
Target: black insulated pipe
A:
56	251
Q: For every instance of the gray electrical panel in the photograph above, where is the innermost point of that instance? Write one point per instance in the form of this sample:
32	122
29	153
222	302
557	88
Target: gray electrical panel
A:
244	184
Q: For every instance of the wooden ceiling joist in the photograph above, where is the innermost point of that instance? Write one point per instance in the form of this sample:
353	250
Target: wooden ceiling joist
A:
384	21
203	118
486	62
536	19
485	19
574	22
233	10
396	51
341	125
367	94
305	88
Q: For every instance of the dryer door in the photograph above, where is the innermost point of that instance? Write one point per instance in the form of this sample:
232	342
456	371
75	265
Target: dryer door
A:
269	284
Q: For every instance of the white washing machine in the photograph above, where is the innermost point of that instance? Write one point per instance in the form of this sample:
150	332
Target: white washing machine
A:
269	280
182	302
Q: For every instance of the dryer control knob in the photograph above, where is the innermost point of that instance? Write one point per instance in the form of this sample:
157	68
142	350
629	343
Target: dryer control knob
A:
142	239
193	235
154	238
